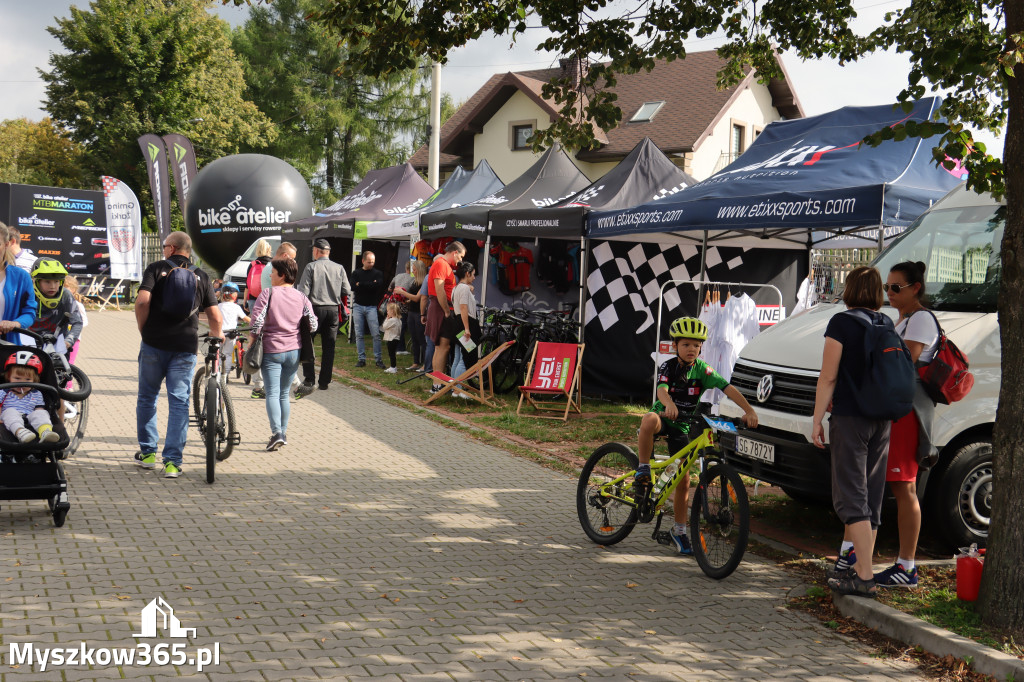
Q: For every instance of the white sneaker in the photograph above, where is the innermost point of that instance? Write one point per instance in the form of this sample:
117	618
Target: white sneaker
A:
25	435
391	370
460	394
402	352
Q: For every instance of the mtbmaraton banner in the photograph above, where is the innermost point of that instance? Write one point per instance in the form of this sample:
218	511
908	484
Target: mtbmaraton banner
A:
156	163
124	229
183	165
56	222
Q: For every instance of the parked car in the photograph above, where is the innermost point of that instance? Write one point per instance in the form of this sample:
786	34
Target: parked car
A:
236	273
959	239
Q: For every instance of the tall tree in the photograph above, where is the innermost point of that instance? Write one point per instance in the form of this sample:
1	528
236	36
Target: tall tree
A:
148	66
41	153
334	125
971	50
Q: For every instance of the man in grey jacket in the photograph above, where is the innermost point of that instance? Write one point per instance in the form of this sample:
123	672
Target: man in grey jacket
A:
324	283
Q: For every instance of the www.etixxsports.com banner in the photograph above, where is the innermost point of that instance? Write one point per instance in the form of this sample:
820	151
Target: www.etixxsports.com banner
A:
69	225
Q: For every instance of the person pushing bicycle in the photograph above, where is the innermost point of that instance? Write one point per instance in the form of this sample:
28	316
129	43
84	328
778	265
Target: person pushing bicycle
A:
681	382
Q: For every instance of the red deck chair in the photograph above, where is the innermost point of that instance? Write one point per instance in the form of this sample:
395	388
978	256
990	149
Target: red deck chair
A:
481	370
554	371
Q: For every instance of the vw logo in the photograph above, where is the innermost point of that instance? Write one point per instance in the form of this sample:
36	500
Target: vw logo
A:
764	388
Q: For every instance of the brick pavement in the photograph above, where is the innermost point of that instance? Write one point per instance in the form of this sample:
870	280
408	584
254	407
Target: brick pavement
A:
377	544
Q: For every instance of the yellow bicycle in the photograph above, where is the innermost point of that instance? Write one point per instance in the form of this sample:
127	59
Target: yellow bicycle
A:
610	505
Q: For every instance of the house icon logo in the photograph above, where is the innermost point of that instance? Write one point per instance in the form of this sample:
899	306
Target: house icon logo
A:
158	614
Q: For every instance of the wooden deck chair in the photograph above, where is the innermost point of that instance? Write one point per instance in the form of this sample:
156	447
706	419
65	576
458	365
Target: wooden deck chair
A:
554	371
480	371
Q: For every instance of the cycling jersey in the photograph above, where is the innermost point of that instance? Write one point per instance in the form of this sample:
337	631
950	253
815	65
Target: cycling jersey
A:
685	385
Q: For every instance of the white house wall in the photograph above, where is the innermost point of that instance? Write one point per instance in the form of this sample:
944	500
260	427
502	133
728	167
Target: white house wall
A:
752	109
493	143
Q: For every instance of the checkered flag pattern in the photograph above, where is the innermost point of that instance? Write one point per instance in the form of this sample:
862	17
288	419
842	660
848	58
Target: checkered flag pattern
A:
122	236
109	185
626	278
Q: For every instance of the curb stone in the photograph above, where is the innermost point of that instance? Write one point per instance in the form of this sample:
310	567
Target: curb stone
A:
931	638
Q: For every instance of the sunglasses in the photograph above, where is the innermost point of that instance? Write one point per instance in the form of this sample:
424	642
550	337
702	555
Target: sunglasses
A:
894	288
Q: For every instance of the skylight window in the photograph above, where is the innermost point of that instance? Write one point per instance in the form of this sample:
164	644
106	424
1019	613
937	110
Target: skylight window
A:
647	111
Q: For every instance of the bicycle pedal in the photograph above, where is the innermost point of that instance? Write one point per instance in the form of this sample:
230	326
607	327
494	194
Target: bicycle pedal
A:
235	438
662	536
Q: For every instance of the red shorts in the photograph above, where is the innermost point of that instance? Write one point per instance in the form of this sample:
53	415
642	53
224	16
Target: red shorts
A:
902	464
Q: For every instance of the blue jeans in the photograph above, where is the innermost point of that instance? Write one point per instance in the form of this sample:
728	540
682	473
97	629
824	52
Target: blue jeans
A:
459	363
366	320
155	367
278	371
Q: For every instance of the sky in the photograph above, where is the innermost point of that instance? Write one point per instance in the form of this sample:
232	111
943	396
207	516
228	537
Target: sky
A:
820	85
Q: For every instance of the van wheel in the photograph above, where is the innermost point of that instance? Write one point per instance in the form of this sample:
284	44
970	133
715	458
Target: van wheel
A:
962	506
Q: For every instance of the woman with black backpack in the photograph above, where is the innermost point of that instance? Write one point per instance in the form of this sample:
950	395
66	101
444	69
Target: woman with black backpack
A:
859	443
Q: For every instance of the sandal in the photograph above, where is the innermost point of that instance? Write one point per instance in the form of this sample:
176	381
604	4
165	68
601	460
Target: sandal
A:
854	586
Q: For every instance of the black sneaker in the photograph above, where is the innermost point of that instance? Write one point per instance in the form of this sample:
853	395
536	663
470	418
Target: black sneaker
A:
380	365
361	363
303	390
275	443
854	586
258	393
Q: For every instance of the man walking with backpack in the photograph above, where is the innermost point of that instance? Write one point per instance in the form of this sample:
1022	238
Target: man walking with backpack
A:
170	296
323	282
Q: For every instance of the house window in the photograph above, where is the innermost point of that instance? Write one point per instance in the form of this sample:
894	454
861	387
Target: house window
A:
738	138
521	136
647	111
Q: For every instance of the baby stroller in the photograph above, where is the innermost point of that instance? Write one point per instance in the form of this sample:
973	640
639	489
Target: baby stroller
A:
33	471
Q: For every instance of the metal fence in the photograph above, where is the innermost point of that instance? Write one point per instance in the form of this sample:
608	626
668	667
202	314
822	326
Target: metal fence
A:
830	267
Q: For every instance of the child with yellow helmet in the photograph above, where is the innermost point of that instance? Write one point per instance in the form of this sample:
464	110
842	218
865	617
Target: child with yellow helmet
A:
58	313
681	382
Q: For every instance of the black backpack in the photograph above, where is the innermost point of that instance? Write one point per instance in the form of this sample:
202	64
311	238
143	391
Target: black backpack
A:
886	389
180	295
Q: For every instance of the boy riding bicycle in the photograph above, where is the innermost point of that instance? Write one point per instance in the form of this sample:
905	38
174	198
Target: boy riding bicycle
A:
681	382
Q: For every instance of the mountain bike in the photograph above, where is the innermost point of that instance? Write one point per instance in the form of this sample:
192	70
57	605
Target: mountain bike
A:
609	504
214	413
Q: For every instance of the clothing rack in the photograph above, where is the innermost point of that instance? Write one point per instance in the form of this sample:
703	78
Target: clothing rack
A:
700	283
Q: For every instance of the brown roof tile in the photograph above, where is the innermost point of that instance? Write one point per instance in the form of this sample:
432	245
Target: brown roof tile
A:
687	86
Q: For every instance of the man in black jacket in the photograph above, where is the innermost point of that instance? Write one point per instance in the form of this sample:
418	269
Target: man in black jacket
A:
367	285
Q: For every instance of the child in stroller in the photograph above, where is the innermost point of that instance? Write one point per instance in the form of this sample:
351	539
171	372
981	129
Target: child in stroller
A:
21	404
30	468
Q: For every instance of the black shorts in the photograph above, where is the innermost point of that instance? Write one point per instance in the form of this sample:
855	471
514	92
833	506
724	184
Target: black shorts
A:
676	432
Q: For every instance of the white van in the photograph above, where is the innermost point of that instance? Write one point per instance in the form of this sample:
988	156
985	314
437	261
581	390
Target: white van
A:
236	273
959	240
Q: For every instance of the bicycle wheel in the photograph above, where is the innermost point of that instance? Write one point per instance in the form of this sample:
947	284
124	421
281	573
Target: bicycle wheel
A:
237	357
607	519
719	521
225	427
198	406
76	416
503	369
210	403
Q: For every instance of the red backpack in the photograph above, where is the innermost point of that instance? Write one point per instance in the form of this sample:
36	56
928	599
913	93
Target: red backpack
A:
253	285
946	378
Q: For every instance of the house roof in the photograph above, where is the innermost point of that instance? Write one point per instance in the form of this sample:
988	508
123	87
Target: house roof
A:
693	105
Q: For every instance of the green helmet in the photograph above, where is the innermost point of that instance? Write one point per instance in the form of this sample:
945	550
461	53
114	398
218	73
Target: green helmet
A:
48	268
688	328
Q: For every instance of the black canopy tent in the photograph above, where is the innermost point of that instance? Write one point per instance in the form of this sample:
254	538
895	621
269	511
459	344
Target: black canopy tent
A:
461	187
380	195
645	174
553	178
